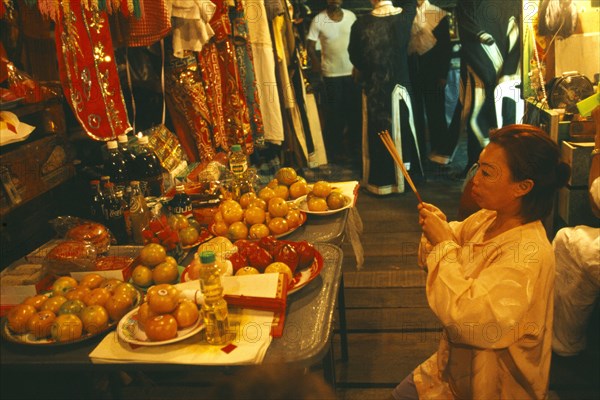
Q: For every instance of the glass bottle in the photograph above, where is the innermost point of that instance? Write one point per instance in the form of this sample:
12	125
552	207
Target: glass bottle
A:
126	214
181	202
148	169
113	214
214	309
115	166
238	163
127	154
241	176
139	213
96	201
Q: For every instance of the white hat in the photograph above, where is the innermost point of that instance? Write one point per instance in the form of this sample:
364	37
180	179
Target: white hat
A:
11	129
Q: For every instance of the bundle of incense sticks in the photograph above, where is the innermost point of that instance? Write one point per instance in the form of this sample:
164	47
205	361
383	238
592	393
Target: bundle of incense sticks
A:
389	145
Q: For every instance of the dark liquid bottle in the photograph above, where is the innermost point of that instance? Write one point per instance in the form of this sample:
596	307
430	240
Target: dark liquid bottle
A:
115	165
126	152
181	202
148	169
96	202
113	214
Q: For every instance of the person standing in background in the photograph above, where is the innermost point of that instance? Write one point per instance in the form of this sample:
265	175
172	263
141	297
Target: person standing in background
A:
331	27
429	52
378	50
490	52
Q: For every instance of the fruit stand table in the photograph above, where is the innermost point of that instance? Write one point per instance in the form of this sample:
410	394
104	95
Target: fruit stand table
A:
306	338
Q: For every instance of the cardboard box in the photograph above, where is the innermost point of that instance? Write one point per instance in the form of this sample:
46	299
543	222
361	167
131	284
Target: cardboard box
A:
578	156
123	273
574	207
33	169
11	295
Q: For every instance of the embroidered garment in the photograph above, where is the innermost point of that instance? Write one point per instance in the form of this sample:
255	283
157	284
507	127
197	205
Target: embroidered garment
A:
88	72
243	51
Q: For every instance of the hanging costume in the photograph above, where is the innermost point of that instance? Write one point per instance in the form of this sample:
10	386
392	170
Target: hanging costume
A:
378	50
243	51
218	65
490	38
88	70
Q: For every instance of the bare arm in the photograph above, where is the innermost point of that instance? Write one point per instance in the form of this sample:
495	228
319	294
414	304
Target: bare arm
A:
312	53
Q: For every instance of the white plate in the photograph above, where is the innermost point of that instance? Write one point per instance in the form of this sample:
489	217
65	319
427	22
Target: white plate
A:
301	203
130	332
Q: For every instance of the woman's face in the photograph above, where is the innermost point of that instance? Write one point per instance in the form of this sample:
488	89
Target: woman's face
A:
493	185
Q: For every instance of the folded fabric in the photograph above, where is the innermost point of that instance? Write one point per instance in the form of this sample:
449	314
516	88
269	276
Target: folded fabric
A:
252	339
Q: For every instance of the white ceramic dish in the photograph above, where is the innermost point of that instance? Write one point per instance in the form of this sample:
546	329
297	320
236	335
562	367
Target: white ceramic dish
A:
129	331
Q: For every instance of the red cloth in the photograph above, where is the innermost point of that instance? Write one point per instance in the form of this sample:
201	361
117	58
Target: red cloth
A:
88	72
154	24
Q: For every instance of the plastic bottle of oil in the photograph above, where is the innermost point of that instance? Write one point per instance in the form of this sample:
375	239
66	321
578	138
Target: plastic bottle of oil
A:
214	309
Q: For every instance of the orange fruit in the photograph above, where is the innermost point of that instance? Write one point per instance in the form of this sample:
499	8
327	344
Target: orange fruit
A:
40	323
111	284
260	203
152	254
278	225
246	199
18	317
91	280
63	284
186	314
247	271
298	189
53	303
161	327
282	191
98	296
36	300
220	228
66	328
237	230
336	200
258	231
321	189
165	273
254	215
141	276
278	207
317	204
286	175
94	319
266	194
145	313
79	293
118	305
280	268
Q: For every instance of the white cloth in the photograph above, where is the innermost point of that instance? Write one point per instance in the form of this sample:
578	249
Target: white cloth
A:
191	28
264	69
421	35
577	283
494	299
334	37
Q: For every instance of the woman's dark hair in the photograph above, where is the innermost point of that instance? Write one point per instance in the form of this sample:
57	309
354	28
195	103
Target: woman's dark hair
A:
531	154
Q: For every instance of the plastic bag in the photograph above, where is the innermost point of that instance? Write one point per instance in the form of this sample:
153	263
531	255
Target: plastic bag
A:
80	229
69	256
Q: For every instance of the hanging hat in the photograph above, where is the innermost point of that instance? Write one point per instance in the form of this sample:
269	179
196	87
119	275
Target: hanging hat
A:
11	129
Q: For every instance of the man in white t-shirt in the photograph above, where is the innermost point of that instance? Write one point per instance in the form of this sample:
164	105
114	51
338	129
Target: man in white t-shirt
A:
342	104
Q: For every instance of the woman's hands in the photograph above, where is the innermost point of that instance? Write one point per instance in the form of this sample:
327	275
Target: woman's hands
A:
434	224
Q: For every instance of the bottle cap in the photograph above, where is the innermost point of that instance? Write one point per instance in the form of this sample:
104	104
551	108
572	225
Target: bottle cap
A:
94	182
207	256
180	189
143	140
122	138
236	147
112	144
